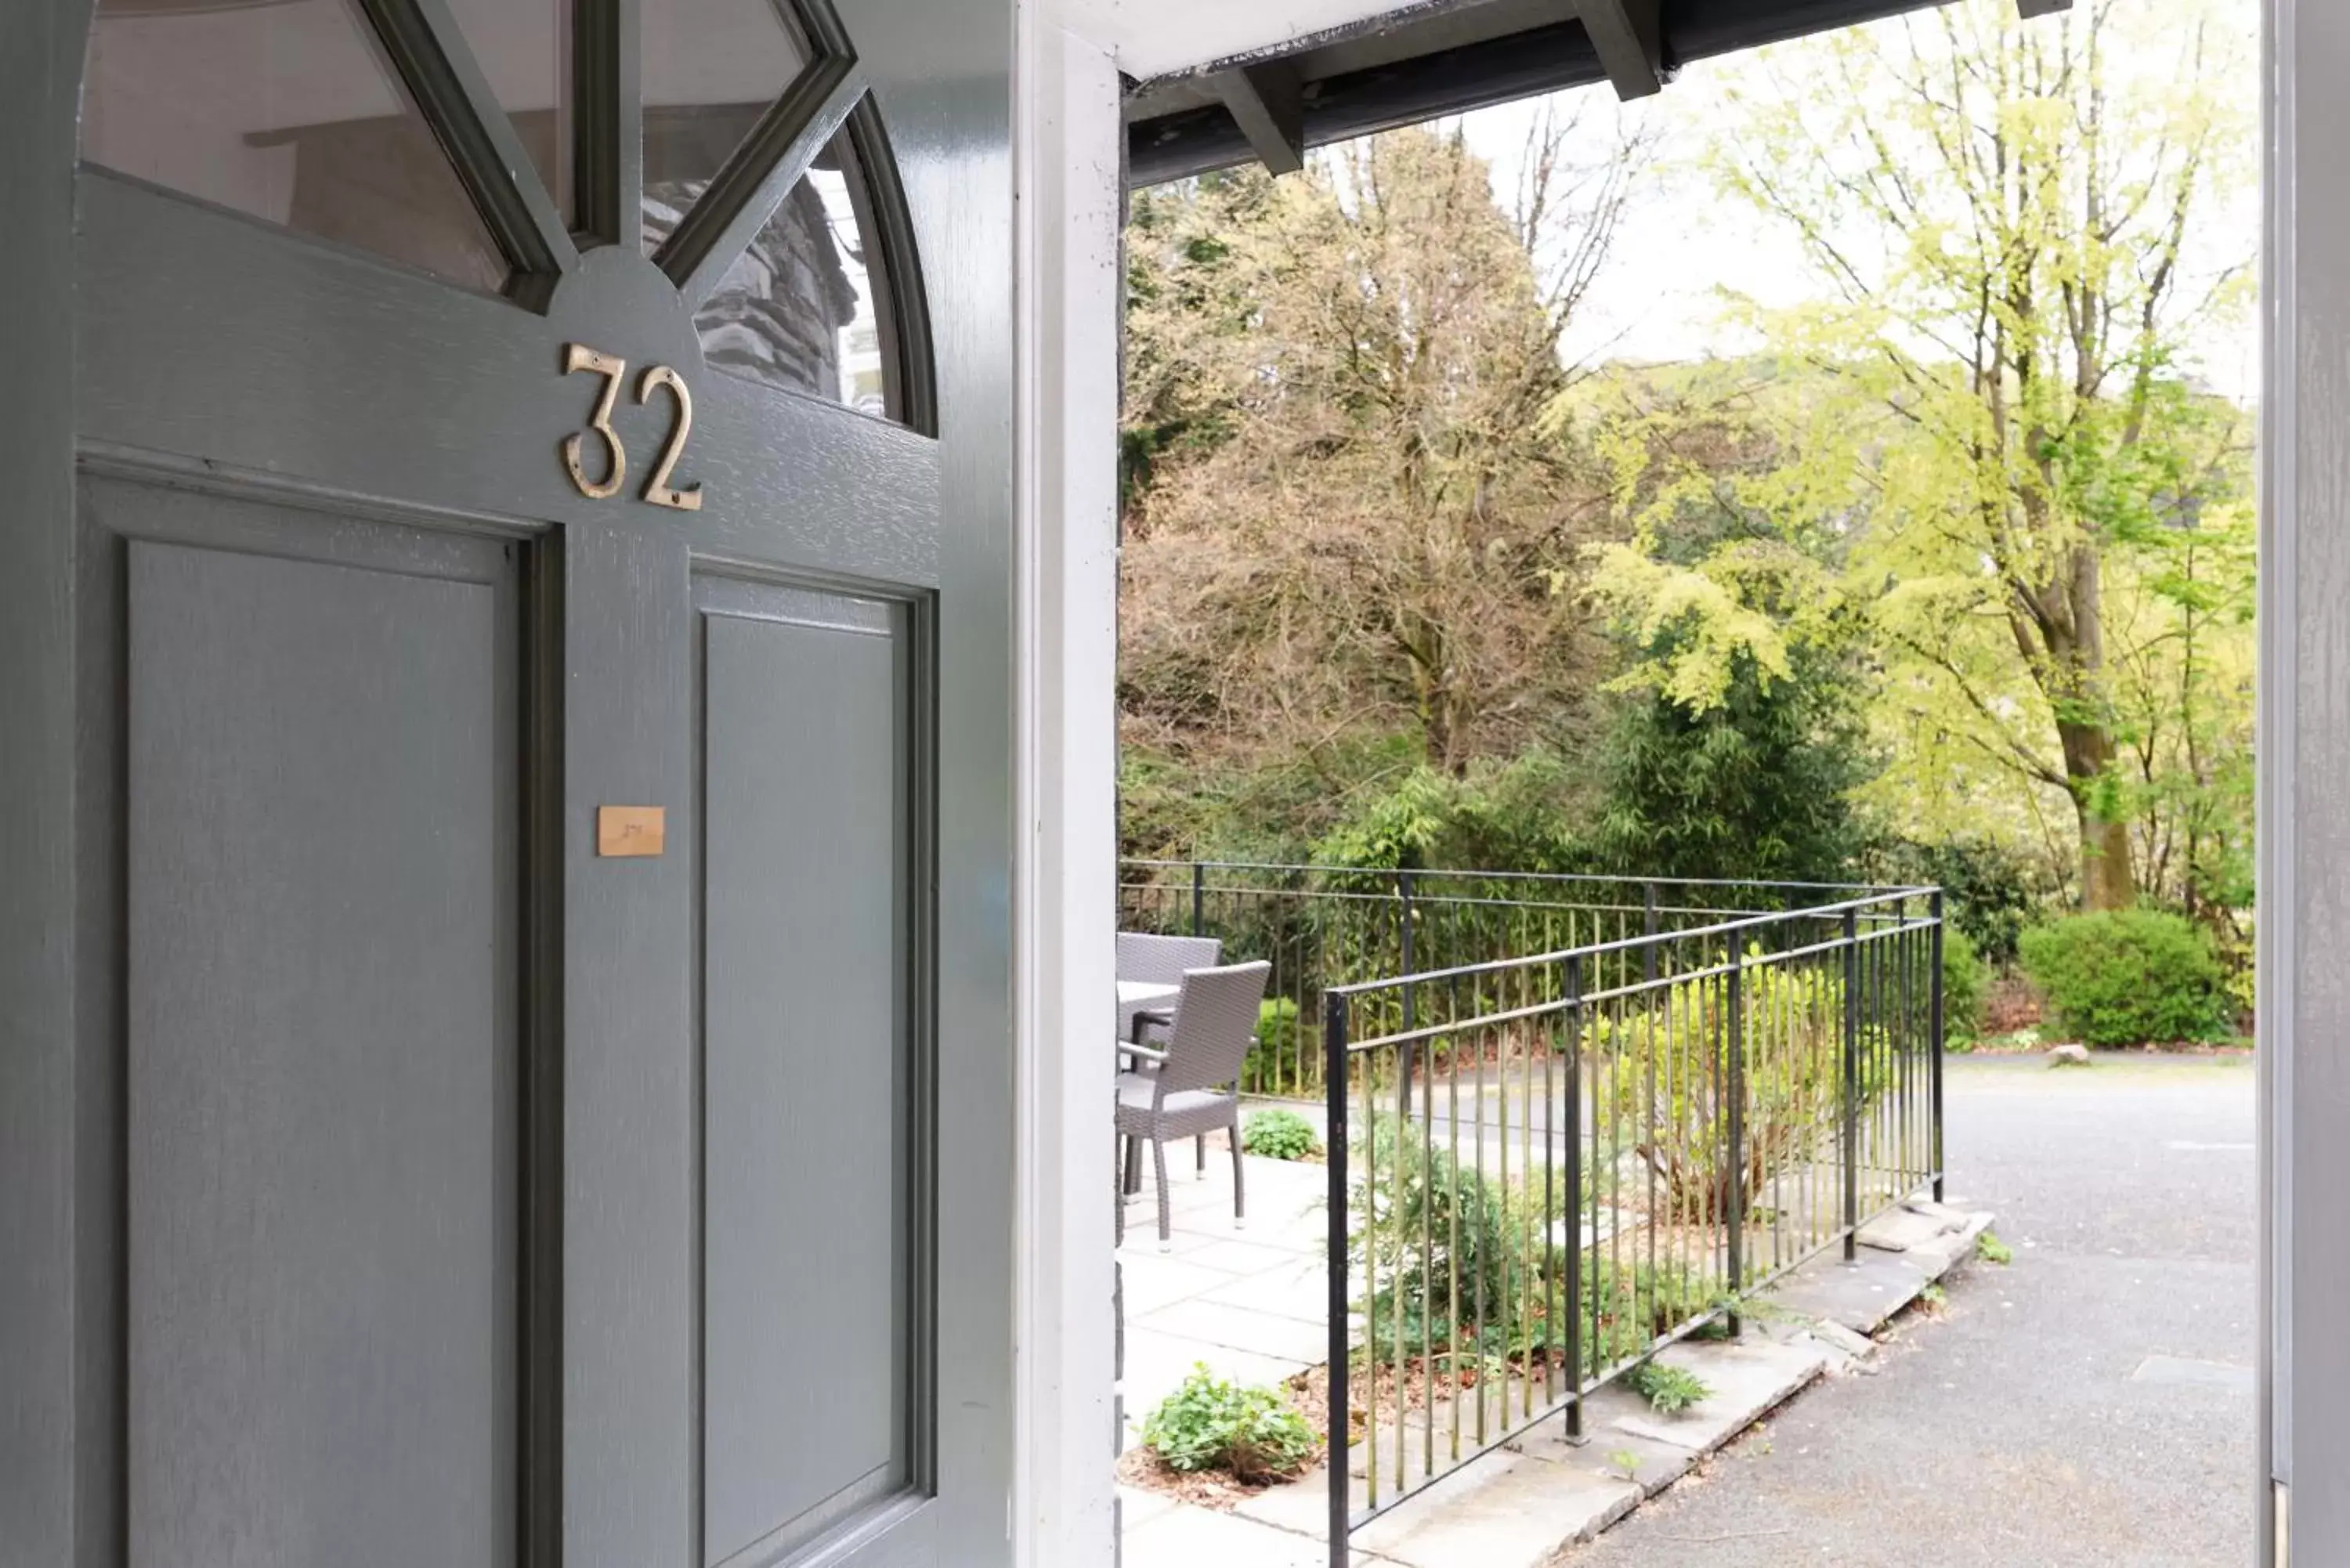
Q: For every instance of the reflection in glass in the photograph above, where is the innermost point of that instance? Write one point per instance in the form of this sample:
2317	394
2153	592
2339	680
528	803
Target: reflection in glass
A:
712	68
802	309
522	48
288	111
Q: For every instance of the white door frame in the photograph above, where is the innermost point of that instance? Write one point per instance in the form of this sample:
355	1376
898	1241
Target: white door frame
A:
1067	144
1069	140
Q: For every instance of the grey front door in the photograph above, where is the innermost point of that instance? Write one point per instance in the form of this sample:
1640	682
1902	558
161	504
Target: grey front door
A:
541	680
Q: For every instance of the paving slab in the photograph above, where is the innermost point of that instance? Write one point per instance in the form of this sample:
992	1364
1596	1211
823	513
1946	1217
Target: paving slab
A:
1187	1536
1154	1282
1747	1379
1137	1507
1899	1230
1252	1256
1607	1448
1298	1290
1503	1510
1240	1329
1861	1295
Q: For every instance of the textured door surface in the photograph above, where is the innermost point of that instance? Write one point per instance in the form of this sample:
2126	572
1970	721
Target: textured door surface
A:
493	413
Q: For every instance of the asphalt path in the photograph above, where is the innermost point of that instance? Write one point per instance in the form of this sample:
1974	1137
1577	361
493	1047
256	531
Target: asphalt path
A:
2089	1406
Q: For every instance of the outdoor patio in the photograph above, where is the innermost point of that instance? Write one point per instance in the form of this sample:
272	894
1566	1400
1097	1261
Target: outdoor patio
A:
1250	1301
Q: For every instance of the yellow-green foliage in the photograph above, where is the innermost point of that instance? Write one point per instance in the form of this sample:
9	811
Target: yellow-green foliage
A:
1664	1073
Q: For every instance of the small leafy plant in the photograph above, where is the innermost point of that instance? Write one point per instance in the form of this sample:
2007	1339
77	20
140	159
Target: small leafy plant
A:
1279	1134
1626	1460
1212	1424
1668	1389
1991	1250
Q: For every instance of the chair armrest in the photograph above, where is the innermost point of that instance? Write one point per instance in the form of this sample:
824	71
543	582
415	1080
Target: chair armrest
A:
1129	1048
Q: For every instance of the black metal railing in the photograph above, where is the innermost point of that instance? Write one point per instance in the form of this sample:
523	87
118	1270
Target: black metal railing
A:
1545	1167
1323	926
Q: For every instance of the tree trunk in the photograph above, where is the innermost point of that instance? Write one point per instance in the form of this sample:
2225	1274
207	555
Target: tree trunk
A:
2106	882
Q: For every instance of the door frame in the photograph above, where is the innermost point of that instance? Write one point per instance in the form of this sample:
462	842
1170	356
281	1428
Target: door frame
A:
40	82
1071	149
1067	143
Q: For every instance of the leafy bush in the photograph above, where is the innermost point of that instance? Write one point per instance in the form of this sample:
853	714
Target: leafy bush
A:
1964	981
1212	1424
1668	1391
1279	1134
1272	1062
1466	1271
2129	977
1659	1073
1990	890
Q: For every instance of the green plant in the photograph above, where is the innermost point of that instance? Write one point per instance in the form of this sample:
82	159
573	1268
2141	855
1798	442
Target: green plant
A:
2129	977
1272	1062
1991	1250
1279	1134
1212	1424
1658	1071
1668	1389
1626	1460
1965	979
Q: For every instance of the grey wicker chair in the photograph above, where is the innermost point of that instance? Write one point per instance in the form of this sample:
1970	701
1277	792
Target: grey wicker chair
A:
1159	960
1163	960
1190	1090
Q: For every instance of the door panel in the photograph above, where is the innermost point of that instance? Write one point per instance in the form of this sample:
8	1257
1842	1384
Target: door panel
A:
808	1111
322	1054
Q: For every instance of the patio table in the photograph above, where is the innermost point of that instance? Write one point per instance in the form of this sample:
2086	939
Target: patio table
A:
1139	996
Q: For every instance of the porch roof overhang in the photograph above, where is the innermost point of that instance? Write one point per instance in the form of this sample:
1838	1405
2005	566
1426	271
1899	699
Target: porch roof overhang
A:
1239	82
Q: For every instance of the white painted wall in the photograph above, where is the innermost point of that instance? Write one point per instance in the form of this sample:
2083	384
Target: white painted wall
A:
1066	148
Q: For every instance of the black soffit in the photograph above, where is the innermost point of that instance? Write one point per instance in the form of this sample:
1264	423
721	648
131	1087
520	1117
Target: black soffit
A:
1432	59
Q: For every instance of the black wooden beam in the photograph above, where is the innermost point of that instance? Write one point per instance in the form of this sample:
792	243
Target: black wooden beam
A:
1267	102
1631	45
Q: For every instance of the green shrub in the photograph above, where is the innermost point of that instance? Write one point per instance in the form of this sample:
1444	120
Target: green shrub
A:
1279	1134
1272	1064
1659	1073
1965	978
2131	977
1668	1391
1212	1424
1467	1273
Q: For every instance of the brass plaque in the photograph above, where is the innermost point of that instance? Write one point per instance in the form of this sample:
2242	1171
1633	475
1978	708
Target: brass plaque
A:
630	830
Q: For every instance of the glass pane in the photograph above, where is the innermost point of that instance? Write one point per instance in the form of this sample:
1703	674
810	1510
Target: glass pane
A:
285	109
522	48
712	68
802	309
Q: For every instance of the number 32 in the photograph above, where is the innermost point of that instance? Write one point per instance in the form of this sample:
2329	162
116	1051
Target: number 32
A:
578	356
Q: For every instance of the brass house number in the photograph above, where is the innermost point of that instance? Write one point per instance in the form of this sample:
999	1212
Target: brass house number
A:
578	356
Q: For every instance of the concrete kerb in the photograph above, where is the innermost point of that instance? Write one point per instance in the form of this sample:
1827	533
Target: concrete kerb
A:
1520	1504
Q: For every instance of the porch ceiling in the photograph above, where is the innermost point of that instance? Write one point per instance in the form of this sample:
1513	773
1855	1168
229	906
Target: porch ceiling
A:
1220	82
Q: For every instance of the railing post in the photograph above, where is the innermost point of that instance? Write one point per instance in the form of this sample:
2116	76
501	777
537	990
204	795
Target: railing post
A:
1648	927
1934	1042
1405	886
1334	1138
1736	1191
1199	895
1571	990
1851	1084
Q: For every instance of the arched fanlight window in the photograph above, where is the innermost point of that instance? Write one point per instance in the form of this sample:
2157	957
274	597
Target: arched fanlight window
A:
489	142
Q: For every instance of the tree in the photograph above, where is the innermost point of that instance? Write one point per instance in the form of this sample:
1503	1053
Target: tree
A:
2011	221
1342	520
